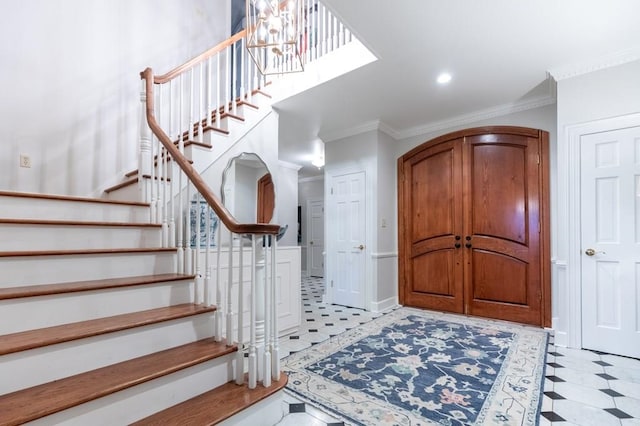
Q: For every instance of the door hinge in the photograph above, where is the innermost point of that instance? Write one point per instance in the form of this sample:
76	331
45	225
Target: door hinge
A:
331	190
331	283
537	158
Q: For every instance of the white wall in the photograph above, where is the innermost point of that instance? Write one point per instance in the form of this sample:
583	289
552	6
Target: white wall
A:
71	83
607	93
287	201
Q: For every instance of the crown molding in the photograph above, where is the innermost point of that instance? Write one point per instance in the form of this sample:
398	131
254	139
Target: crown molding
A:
483	114
311	178
289	165
375	125
596	64
461	120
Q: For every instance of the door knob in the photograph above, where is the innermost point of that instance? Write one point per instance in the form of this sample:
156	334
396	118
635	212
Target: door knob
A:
592	252
310	242
361	247
457	245
468	245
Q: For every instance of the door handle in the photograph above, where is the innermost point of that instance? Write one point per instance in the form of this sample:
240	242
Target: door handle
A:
361	247
457	245
592	252
468	245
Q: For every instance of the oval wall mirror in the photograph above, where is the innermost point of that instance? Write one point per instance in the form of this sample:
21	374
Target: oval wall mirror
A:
247	189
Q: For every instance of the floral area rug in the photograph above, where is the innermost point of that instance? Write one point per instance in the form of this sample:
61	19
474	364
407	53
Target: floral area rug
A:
413	367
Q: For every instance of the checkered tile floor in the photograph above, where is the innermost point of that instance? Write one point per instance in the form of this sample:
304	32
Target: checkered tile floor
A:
581	387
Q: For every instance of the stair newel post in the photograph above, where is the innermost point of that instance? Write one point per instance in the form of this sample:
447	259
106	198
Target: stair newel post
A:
218	314
275	347
259	305
266	377
240	322
145	154
229	300
197	259
188	265
165	199
253	362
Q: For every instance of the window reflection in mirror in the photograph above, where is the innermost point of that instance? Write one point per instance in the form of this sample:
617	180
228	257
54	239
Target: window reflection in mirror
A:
247	189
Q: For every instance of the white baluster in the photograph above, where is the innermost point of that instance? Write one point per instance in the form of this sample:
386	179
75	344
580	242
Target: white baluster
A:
191	107
181	209
197	253
240	353
219	315
171	183
253	362
207	279
218	90
209	90
188	265
229	320
234	79
227	85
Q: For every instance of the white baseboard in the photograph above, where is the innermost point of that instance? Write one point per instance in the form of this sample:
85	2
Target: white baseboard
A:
384	305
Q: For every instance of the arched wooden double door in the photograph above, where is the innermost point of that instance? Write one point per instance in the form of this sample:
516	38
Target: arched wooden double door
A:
473	224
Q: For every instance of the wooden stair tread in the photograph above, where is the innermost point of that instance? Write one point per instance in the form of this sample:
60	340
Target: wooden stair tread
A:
76	223
75	286
70	198
85	251
213	406
32	403
32	339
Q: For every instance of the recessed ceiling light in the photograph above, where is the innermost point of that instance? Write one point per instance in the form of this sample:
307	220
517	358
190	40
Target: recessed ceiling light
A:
444	78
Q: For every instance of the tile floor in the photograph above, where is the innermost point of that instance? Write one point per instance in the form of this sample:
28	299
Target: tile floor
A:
581	387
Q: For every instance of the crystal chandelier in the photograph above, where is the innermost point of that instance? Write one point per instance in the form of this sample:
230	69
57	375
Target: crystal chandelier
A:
273	35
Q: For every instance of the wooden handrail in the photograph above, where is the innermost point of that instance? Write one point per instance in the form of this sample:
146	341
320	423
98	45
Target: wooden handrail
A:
213	201
160	79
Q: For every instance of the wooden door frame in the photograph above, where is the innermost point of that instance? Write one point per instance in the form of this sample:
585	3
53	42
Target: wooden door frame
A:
571	220
544	208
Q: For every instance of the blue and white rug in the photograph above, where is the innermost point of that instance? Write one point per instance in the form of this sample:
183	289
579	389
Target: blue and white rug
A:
414	367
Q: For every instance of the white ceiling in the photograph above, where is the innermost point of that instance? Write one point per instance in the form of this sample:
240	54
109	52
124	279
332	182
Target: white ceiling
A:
499	53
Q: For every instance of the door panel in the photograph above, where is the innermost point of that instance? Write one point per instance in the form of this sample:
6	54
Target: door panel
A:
348	204
432	182
503	208
610	226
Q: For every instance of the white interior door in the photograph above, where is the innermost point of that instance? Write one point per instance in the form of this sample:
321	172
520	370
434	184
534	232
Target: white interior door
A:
347	198
610	232
315	238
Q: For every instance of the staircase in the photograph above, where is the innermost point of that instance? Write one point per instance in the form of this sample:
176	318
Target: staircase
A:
97	328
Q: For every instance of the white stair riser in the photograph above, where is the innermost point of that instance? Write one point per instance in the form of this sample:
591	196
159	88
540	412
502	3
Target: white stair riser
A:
147	398
47	311
15	237
41	365
267	412
32	270
57	209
